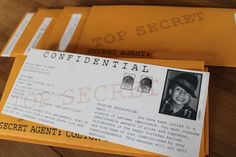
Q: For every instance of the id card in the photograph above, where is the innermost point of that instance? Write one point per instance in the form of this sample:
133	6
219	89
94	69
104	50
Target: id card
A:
153	108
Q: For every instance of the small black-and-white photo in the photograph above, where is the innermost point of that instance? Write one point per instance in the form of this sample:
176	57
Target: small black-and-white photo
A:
128	81
181	94
145	84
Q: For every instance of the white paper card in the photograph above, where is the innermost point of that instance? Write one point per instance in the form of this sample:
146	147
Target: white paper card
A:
16	36
38	35
153	108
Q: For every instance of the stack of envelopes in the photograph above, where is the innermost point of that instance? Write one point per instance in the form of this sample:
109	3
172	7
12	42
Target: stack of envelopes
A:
179	37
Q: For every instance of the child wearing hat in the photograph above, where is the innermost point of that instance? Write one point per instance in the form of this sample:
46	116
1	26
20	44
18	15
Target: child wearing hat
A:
180	92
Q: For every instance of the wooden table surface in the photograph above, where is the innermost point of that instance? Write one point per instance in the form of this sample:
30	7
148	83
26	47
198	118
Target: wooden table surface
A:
222	92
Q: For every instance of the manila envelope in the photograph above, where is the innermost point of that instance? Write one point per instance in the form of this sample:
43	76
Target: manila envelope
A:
37	31
6	51
204	34
67	29
20	130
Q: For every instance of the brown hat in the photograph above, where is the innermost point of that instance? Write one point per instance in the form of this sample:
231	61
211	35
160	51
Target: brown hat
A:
187	81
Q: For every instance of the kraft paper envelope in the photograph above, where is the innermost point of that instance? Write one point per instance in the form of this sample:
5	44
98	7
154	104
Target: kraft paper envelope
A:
204	34
164	62
67	29
37	31
20	130
6	51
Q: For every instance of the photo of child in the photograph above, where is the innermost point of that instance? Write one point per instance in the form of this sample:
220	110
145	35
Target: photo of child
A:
182	90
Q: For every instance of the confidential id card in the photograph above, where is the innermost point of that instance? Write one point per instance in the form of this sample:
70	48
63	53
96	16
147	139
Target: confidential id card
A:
149	107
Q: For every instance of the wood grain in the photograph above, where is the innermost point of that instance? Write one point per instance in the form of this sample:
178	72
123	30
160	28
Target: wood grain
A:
222	93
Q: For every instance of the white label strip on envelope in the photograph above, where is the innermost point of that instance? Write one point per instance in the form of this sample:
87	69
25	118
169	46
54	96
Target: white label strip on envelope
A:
235	18
38	35
148	107
16	36
69	31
